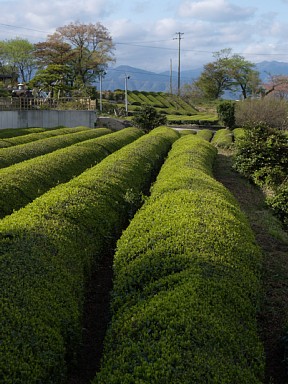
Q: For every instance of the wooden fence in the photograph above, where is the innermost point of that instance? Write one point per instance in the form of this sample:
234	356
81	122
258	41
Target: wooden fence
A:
30	103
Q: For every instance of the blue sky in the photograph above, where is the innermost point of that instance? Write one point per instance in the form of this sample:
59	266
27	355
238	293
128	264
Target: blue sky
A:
144	31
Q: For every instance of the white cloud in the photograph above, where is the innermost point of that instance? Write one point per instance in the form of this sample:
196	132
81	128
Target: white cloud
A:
125	30
48	15
165	28
143	30
215	10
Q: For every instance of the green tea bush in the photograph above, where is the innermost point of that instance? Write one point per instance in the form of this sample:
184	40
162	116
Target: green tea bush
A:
238	133
184	132
21	183
186	283
223	138
27	138
205	134
48	250
12	132
21	152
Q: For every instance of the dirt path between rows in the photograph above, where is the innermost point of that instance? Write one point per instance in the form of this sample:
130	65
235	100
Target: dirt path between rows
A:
95	321
273	313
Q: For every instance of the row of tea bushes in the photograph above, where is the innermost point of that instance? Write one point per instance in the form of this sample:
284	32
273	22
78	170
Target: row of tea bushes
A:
48	250
186	283
21	183
28	138
184	132
223	138
21	152
205	134
12	132
238	133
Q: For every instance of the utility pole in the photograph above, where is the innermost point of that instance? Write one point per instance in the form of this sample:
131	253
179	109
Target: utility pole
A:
100	91
171	90
126	96
101	73
179	38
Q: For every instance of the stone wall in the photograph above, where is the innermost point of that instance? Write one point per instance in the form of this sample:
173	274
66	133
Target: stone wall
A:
114	124
46	119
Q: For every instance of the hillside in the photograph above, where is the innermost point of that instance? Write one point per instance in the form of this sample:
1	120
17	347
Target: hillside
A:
142	80
174	107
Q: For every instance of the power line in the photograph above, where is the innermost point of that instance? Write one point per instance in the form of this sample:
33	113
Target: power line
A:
140	43
19	27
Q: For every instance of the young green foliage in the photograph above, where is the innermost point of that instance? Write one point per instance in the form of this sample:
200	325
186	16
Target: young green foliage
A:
27	138
223	138
21	183
21	152
186	283
49	249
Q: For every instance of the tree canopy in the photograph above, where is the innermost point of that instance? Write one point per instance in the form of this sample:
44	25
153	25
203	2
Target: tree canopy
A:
228	73
17	55
79	51
91	48
147	118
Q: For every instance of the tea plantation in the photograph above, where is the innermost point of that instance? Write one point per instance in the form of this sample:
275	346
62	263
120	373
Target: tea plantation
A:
186	285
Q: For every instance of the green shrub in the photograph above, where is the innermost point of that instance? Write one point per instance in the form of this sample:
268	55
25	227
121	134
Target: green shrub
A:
147	118
223	138
205	134
48	250
12	132
21	152
279	202
238	133
27	138
262	155
186	283
226	113
23	182
184	132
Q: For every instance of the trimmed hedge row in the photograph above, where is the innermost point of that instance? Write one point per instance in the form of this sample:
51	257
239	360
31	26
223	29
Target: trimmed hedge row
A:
205	134
21	183
187	132
48	250
222	138
28	138
21	152
186	283
238	133
11	132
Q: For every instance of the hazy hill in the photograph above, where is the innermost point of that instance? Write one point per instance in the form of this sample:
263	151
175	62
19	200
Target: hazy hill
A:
142	80
271	67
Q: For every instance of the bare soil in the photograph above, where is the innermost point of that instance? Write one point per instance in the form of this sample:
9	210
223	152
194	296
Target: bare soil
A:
95	321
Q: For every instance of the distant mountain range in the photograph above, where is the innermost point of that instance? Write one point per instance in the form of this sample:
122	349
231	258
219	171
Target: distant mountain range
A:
142	80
